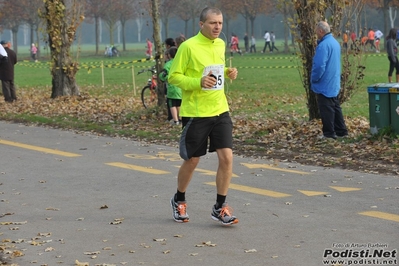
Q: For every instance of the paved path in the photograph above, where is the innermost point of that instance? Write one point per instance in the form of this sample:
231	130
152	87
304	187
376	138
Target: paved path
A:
55	185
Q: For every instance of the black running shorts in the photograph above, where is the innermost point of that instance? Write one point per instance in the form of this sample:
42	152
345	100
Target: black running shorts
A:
197	130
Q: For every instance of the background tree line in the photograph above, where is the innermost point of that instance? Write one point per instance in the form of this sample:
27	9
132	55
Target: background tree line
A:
123	21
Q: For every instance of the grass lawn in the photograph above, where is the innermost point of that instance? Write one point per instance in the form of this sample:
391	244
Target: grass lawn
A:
269	83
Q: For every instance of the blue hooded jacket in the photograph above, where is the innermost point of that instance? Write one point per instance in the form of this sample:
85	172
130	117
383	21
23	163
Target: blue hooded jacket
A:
326	69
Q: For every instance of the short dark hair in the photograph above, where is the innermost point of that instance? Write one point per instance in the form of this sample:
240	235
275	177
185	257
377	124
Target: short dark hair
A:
208	10
170	42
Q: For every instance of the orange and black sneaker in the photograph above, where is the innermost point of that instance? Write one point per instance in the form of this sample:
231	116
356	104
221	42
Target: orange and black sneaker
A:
179	210
224	215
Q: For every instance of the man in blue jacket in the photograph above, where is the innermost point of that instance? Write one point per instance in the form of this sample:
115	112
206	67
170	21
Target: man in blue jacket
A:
326	82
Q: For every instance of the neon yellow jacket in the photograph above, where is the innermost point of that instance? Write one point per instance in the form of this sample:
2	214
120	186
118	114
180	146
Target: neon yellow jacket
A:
193	56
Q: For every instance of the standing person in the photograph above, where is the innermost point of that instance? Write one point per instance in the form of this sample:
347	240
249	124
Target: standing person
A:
199	70
378	35
326	82
253	44
169	42
33	52
353	39
392	51
273	40
267	41
7	73
345	40
148	52
370	39
246	42
173	92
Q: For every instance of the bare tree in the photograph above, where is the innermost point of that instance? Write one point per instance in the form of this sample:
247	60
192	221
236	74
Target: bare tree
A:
62	19
126	13
167	7
93	11
13	14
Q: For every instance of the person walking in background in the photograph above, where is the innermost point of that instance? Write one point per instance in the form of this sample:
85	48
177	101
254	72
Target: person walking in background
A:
7	73
148	52
273	40
199	70
377	35
234	48
326	82
253	45
370	39
392	51
246	42
173	92
267	42
33	52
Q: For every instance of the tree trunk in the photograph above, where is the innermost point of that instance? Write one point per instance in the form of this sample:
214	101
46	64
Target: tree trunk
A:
15	39
158	49
186	28
252	26
111	34
61	31
63	78
123	24
166	27
97	32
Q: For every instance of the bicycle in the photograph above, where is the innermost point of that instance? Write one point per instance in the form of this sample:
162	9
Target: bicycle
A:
149	96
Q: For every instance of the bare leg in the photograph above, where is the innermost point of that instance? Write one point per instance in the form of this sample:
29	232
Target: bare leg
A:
173	112
225	170
186	173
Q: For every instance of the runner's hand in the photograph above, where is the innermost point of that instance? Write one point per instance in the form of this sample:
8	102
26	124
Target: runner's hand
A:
208	81
232	72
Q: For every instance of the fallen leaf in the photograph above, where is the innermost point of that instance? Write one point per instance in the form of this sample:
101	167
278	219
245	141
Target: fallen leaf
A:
77	263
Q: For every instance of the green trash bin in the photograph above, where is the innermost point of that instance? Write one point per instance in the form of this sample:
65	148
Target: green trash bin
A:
394	106
379	110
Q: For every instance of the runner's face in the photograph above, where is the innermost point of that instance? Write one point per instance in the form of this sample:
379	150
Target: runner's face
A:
212	27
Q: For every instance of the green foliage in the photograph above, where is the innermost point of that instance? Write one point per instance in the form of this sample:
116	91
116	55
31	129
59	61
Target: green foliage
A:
385	134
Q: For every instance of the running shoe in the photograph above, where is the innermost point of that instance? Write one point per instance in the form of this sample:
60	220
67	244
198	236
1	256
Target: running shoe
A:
179	210
224	215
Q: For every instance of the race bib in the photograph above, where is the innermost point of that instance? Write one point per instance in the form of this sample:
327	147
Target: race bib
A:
217	73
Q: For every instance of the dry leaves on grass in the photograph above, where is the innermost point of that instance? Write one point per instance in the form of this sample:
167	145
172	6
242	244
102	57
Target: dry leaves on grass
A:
285	136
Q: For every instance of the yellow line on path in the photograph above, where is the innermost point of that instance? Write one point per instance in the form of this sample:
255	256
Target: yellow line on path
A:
36	148
265	166
310	193
382	215
139	168
345	189
259	191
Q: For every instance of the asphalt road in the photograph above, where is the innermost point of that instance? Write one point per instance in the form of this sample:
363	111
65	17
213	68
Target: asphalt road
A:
66	196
